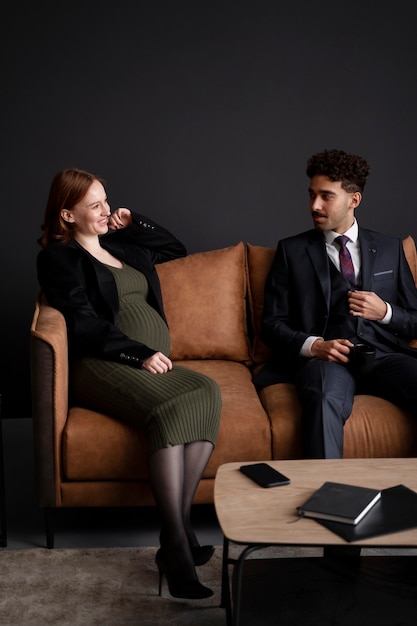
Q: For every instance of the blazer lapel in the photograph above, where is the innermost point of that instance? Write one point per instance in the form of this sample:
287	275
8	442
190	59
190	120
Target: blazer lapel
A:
108	288
105	281
369	250
316	249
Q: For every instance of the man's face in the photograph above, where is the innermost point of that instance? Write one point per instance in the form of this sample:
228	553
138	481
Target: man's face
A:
332	208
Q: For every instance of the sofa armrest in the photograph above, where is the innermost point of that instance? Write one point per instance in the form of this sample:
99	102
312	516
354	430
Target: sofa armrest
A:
49	383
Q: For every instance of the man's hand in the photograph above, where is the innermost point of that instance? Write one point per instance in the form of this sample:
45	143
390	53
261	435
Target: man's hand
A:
158	363
336	350
366	304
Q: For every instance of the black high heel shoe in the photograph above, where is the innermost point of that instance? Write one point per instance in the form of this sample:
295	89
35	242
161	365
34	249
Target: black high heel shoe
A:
191	590
202	554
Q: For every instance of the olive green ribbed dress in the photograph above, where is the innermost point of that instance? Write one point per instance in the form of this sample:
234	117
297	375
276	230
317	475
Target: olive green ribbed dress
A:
177	407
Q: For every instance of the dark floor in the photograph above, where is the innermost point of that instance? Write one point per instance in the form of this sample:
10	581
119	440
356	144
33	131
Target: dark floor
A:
77	527
313	591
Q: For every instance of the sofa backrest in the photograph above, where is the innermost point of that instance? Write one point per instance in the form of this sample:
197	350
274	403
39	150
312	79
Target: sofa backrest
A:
213	303
259	260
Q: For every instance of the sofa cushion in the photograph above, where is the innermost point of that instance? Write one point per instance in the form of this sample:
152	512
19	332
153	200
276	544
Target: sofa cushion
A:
376	428
97	447
245	431
283	407
204	298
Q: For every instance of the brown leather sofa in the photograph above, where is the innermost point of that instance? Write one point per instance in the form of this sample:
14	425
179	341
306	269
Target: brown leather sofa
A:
213	302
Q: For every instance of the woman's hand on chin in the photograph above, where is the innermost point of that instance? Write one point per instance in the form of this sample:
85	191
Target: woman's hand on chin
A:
120	219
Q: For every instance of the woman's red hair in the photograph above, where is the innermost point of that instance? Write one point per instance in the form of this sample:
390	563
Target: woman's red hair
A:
67	189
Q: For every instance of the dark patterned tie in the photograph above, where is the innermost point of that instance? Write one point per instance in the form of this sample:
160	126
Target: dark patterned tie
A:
346	265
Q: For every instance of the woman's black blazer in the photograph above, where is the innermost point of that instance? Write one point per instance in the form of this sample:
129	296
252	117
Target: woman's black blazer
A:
84	289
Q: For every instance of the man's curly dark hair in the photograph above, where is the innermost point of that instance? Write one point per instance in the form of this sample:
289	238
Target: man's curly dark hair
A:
351	170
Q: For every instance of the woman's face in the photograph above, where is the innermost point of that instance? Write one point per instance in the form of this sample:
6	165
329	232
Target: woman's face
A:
90	215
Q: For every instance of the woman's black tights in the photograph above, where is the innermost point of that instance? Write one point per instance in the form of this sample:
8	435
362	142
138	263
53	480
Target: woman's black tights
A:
174	475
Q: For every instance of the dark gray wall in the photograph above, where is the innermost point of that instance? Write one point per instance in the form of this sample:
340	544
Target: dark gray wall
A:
201	115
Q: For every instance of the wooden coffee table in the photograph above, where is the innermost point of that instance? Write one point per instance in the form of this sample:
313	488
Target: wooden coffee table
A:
255	517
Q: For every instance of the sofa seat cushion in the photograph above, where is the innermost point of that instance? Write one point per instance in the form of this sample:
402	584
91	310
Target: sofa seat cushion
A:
376	428
281	403
99	447
204	298
245	430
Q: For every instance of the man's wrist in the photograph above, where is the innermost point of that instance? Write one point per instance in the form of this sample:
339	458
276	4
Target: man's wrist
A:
388	315
306	347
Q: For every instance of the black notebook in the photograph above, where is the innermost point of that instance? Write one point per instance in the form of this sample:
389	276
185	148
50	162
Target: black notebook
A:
395	511
339	502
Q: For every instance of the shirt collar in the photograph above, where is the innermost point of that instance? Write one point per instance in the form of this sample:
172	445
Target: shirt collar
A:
352	233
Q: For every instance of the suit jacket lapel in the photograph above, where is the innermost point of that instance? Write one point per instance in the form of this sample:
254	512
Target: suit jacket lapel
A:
369	250
316	249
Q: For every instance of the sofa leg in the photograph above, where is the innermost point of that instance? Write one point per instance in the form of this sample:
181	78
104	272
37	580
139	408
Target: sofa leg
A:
49	527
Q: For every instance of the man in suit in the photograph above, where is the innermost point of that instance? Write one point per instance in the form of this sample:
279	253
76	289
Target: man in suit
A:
318	307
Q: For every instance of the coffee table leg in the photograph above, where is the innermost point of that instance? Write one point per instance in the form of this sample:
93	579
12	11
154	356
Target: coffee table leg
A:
225	591
231	602
237	581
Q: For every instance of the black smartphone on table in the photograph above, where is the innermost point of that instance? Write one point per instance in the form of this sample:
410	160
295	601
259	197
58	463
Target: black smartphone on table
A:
265	475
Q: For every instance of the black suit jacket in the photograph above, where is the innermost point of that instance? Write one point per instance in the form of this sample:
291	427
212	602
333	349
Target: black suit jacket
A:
84	289
298	291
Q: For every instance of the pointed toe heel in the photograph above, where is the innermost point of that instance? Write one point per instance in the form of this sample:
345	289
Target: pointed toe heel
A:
190	590
202	554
